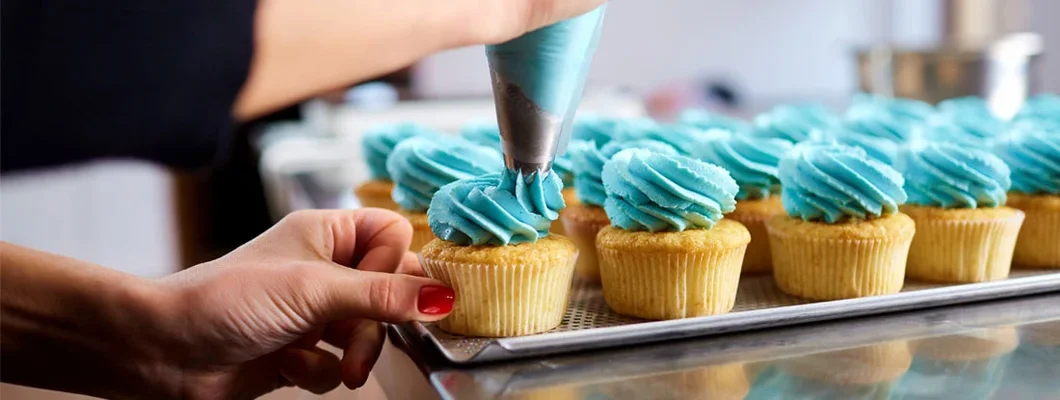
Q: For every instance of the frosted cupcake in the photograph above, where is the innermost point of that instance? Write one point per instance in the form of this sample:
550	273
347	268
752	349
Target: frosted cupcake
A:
489	135
583	220
494	249
686	140
843	236
705	120
752	162
594	128
1032	152
963	366
378	143
669	254
881	126
956	198
1043	109
795	123
964	123
420	166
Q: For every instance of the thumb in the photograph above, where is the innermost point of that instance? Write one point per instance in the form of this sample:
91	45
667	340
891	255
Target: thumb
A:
382	297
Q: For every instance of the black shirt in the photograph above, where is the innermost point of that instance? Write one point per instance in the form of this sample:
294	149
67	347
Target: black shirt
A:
143	79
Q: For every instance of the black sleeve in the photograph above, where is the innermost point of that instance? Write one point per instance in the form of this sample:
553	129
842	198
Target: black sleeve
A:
149	79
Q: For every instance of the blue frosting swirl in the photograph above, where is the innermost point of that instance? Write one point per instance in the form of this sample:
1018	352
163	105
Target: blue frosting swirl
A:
897	120
1043	107
705	120
380	141
899	108
592	128
950	176
654	192
588	160
497	209
832	182
879	149
795	122
1032	152
967	104
420	166
752	162
482	133
686	140
966	128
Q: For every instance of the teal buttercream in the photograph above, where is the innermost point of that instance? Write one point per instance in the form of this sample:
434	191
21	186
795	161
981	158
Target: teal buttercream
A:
497	209
795	122
963	105
902	109
588	161
654	192
381	140
706	120
593	128
897	120
879	149
1032	152
967	128
1043	107
686	140
482	133
420	166
563	166
950	176
549	64
752	162
832	182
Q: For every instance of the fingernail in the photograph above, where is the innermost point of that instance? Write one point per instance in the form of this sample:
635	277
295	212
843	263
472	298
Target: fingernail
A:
435	300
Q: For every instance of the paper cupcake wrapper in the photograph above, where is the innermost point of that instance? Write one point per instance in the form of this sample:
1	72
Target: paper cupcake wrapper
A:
1038	244
832	269
877	363
374	194
583	234
503	300
670	285
962	251
758	259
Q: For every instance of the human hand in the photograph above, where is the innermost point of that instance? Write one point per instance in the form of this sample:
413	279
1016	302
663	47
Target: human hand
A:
249	322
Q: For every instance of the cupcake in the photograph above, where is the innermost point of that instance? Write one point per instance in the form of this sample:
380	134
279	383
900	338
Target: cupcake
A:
752	162
963	123
584	219
489	135
1043	108
962	366
956	198
669	254
795	122
705	120
1032	152
843	236
594	128
510	275
378	143
420	166
881	126
864	372
684	139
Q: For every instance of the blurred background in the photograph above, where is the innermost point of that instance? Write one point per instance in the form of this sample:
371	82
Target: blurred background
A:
655	57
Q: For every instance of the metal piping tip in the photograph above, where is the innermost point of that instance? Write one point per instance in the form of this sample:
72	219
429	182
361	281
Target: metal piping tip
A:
530	136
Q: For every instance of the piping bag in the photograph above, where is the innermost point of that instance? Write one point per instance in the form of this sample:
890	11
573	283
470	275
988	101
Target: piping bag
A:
537	85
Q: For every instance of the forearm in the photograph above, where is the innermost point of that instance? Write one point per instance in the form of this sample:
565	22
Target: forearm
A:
73	326
305	48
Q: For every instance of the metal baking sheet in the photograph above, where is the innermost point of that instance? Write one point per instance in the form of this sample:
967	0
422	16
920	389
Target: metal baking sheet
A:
590	324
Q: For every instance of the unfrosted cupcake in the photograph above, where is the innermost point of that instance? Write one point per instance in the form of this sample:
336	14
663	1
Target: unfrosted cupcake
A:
583	220
795	122
705	120
752	162
378	143
422	165
494	249
964	233
843	236
669	254
1032	152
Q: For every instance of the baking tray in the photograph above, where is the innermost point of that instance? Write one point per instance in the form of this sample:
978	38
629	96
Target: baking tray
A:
590	324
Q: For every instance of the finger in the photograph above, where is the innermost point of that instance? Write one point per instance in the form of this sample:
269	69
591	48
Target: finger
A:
351	294
361	341
315	370
309	340
410	265
550	12
370	239
383	239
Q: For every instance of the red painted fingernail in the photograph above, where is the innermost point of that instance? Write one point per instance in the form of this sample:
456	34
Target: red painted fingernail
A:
435	300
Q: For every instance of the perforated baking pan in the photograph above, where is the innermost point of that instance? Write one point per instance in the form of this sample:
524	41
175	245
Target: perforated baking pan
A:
590	324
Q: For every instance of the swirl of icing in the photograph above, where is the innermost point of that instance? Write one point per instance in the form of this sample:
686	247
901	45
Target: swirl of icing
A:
592	128
879	149
686	140
1032	152
950	176
380	141
588	161
497	209
899	108
1045	107
832	182
654	192
420	166
967	128
897	120
967	104
752	162
795	122
482	133
705	120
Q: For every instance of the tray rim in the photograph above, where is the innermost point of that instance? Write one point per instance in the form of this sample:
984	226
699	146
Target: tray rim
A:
658	331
